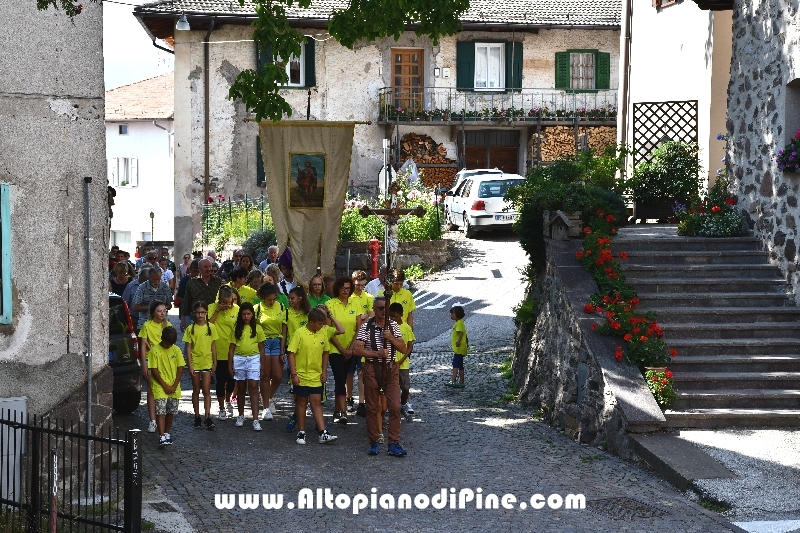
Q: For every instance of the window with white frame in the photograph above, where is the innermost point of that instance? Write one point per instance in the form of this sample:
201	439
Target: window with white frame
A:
295	69
489	66
123	171
581	70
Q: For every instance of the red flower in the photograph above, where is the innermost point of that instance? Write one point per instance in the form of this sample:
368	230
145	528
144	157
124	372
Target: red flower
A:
588	252
600	212
692	211
700	207
634	301
613	231
613	324
210	199
613	276
668	373
588	308
623	255
609	270
610	218
730	201
673	352
627	337
643	338
579	255
594	326
610	314
716	209
587	230
636	330
221	197
618	353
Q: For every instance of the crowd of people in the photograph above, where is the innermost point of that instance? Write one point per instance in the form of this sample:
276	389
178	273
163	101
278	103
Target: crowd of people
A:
245	323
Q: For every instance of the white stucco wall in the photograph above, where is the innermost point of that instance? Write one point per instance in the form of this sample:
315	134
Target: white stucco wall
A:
348	83
51	137
153	149
682	53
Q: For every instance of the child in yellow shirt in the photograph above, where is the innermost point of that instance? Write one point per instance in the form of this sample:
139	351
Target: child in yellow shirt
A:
403	359
458	342
165	362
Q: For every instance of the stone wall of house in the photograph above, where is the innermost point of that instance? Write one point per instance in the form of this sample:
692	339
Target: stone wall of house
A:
52	135
348	83
763	105
568	371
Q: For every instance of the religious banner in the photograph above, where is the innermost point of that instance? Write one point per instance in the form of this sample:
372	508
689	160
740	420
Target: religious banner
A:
307	168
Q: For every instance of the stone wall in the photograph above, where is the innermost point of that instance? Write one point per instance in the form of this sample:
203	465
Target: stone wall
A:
430	254
569	372
763	105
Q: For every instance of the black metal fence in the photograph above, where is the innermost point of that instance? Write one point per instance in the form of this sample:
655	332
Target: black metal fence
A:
61	480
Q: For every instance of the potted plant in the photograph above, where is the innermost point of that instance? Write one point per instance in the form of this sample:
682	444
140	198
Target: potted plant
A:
446	114
436	114
671	175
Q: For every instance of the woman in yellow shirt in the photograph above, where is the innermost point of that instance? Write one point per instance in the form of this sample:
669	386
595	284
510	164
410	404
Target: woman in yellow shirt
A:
346	312
271	317
222	314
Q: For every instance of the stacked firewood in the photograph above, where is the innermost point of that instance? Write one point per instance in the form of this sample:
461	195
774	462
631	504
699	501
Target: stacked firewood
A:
424	150
559	141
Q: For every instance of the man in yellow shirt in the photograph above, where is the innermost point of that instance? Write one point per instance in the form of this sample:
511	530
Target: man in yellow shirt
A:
403	297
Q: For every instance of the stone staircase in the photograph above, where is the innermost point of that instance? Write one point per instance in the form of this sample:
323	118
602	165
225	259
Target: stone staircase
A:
732	318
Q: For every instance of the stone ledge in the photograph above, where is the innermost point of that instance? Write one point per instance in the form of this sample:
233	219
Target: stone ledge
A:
431	254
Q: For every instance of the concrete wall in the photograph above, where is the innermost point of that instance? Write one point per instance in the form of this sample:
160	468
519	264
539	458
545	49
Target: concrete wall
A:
348	82
51	136
153	148
763	116
682	53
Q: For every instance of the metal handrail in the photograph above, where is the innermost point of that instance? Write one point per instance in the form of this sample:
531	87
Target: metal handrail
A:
517	104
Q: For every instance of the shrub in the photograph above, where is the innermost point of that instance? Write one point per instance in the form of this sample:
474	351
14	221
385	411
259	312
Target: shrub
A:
258	242
672	173
712	216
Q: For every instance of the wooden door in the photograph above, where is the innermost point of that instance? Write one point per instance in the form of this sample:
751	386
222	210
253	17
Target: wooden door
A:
502	157
408	78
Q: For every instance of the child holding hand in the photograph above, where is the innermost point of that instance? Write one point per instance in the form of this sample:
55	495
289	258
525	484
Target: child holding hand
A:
165	362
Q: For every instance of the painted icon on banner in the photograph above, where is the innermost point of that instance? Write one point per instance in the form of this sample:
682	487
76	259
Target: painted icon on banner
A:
307	181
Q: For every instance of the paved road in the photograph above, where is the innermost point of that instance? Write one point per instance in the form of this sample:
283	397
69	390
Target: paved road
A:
460	439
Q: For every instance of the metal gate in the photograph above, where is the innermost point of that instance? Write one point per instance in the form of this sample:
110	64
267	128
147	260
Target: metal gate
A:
656	122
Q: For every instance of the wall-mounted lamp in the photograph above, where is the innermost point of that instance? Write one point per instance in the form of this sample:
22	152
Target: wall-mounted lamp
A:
183	23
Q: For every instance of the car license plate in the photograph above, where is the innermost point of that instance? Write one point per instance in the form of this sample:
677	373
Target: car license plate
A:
506	217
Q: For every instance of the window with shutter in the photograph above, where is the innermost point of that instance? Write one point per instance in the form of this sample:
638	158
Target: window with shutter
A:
261	177
299	69
465	65
488	66
5	255
583	70
513	65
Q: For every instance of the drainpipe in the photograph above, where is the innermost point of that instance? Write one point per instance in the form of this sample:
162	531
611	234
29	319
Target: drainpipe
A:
624	93
88	181
207	112
163	48
169	134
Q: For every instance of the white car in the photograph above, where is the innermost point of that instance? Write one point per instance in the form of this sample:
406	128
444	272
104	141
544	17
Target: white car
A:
476	204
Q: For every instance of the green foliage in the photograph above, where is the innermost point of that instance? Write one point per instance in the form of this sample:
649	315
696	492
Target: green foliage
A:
357	228
233	222
673	173
570	184
505	368
258	242
661	385
525	312
70	8
371	20
413	272
712	216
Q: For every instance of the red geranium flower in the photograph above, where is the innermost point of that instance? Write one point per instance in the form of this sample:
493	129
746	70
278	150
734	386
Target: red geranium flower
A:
600	212
627	337
618	353
623	255
610	218
634	301
594	326
613	231
610	314
209	199
643	338
579	255
730	201
700	207
588	308
673	352
587	230
636	330
716	209
668	373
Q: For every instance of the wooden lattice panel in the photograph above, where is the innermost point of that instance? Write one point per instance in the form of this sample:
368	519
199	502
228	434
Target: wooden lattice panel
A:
656	122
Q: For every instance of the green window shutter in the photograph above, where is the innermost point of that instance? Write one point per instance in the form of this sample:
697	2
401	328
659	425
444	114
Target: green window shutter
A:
562	70
5	255
262	58
513	65
261	177
602	73
311	75
465	65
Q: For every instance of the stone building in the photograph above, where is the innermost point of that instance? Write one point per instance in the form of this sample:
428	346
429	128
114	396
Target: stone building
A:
51	138
539	48
763	116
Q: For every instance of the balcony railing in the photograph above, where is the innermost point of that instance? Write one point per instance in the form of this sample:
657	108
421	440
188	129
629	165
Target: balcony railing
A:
443	103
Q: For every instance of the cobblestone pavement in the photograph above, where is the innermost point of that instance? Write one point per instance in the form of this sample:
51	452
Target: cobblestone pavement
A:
461	439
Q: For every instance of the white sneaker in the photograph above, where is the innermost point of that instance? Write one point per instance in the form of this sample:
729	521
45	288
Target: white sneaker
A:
308	411
229	408
256	425
267	415
272	406
301	437
409	408
152	427
327	438
222	414
239	421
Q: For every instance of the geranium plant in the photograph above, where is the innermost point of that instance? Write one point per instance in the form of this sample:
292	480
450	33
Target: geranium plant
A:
661	385
789	158
714	215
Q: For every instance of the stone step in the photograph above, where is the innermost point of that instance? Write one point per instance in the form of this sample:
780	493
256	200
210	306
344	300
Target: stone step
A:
692	381
740	398
713	299
732	417
666	285
779	346
736	363
684	244
718	257
723	315
737	273
740	330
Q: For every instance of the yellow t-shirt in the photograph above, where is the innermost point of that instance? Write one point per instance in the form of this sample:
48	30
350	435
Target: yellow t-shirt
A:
347	316
363	301
408	336
201	341
308	349
225	322
152	332
404	298
294	321
247	345
271	319
459	326
246	294
167	361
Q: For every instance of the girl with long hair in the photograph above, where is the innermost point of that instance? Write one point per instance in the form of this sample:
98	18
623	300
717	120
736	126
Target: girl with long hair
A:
246	358
200	339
